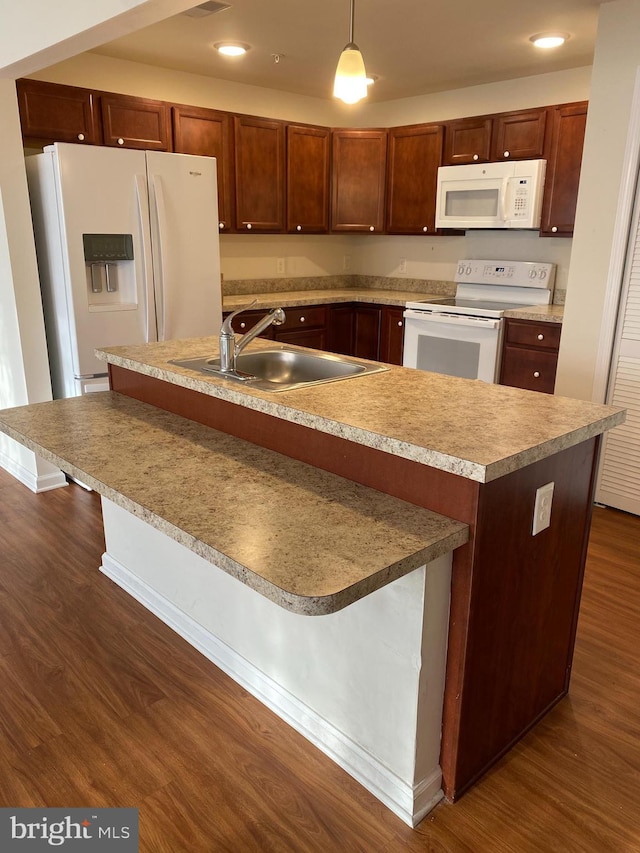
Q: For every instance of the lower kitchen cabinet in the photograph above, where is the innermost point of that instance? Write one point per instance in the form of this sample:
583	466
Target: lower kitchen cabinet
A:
530	355
366	331
304	327
391	334
340	329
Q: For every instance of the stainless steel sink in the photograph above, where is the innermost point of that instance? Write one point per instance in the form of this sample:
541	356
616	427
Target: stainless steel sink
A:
282	369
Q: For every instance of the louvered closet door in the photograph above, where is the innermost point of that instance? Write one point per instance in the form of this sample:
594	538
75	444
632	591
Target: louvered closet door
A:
619	478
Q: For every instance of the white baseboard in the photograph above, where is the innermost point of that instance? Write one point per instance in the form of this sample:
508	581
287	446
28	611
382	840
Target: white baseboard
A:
37	483
409	803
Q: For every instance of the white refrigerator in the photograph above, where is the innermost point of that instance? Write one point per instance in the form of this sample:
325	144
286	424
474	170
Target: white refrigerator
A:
128	252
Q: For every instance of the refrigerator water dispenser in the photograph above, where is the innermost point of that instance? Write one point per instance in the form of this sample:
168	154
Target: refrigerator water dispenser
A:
110	274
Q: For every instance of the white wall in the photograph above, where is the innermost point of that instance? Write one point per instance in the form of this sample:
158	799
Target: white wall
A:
616	62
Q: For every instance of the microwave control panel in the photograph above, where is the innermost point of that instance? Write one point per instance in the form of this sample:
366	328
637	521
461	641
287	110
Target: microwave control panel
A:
510	273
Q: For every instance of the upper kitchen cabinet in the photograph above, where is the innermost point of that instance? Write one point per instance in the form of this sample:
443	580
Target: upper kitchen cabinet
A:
467	140
519	135
506	136
358	180
129	122
415	152
259	174
563	169
208	133
53	113
308	161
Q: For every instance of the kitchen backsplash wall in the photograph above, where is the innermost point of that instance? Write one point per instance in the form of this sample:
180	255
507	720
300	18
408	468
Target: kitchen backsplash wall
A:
236	287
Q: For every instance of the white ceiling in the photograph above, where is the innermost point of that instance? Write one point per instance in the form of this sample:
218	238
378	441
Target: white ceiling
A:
413	47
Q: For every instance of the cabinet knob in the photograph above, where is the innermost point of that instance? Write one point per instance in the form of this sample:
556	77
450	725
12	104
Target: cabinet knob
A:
302	319
536	374
298	227
372	228
221	225
475	156
243	325
120	141
507	154
249	226
400	323
540	337
554	229
425	228
81	137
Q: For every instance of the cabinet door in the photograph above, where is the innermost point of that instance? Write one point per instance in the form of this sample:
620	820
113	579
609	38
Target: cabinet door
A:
519	135
307	177
366	331
391	335
136	122
53	113
259	174
414	156
247	320
530	355
208	132
340	329
467	140
563	170
358	180
313	338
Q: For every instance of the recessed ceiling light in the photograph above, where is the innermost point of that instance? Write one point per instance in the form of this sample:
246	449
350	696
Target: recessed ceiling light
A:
547	40
231	48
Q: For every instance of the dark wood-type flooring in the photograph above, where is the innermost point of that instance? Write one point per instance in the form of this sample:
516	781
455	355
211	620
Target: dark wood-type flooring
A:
103	705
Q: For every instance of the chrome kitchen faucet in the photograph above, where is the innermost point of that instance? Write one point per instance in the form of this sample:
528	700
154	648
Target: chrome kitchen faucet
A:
230	349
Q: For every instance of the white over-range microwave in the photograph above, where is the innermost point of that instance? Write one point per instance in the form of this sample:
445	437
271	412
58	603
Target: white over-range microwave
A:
491	195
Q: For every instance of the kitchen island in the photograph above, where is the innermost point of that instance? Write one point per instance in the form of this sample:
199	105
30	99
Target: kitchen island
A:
473	453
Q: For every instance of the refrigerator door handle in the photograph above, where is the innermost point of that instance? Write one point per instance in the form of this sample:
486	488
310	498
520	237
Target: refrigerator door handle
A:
160	238
143	220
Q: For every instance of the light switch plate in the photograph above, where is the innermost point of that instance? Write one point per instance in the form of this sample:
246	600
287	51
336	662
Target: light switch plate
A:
542	508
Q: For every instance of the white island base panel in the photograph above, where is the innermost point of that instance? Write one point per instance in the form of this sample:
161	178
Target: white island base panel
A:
365	685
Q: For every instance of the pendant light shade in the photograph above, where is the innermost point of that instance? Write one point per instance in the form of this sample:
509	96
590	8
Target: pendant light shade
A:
350	84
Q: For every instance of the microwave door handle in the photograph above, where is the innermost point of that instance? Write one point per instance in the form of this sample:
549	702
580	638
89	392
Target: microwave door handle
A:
504	193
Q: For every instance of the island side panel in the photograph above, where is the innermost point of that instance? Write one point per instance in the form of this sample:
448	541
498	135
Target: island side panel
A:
514	616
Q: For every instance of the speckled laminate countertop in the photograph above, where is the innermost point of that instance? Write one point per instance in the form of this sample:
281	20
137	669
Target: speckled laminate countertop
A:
295	298
311	541
462	426
538	313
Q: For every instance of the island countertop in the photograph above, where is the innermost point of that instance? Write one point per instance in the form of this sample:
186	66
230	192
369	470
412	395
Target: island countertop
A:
465	427
310	541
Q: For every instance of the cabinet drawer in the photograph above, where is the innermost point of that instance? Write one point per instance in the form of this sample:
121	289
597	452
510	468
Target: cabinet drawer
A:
304	317
528	334
534	370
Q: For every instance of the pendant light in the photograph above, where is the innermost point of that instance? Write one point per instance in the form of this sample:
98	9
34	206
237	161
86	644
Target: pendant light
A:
351	79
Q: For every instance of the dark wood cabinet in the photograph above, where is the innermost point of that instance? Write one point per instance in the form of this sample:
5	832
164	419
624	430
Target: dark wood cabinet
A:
467	140
307	179
366	331
530	355
305	326
53	113
208	133
246	320
359	159
129	122
519	135
415	153
391	334
259	174
563	170
340	329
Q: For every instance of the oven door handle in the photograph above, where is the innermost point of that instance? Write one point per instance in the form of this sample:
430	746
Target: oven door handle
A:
453	319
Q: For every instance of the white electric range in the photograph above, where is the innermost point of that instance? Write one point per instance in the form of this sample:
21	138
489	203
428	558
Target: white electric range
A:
461	335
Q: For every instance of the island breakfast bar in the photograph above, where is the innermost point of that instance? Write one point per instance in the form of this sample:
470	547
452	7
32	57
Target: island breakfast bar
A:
411	442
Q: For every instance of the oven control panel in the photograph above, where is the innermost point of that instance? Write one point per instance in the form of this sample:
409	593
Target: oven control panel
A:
508	273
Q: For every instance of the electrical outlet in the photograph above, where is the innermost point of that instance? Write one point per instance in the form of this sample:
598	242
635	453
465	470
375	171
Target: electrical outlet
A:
346	263
542	508
403	265
280	266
